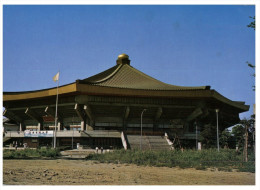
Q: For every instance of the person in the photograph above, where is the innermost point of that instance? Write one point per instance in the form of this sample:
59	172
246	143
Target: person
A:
96	149
101	150
16	145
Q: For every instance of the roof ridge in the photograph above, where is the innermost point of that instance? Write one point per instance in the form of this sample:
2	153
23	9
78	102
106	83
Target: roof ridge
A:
120	76
110	75
170	85
98	78
147	76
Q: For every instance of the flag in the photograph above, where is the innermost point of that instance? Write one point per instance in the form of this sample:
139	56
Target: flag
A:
56	77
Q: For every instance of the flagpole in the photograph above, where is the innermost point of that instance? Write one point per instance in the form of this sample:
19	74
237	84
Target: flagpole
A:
55	132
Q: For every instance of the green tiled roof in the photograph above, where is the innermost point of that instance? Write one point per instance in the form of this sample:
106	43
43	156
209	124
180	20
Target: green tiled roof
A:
126	76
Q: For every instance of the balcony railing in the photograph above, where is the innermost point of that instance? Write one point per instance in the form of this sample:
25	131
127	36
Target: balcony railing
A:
68	133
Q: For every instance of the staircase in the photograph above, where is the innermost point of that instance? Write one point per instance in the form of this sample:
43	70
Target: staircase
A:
158	143
5	139
148	142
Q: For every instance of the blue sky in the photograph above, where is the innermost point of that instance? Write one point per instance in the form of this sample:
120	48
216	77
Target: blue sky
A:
188	45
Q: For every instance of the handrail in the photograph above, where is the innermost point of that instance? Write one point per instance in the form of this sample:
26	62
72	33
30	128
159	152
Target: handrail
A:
123	140
147	133
168	140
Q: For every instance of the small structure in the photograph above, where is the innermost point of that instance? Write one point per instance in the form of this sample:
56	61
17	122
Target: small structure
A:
103	107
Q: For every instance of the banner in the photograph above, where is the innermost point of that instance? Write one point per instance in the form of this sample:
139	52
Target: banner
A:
38	133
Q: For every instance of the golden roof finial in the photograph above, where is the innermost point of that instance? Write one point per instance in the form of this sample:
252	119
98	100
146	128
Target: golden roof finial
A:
122	59
123	56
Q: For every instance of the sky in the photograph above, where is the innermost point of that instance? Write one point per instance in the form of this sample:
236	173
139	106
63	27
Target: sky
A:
186	45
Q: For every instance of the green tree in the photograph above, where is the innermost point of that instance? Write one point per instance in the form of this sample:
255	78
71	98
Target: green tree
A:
208	136
247	124
250	123
252	25
238	132
253	67
224	138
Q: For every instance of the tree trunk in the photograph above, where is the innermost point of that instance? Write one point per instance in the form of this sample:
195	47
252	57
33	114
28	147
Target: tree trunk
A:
246	144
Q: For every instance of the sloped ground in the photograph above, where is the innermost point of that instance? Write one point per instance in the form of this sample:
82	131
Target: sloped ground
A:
81	172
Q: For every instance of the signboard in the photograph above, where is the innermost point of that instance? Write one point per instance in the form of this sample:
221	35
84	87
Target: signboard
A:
38	133
48	118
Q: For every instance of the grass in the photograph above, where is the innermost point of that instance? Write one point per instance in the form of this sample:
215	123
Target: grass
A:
225	160
31	153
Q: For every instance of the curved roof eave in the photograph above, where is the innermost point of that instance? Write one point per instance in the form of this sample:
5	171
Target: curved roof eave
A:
237	104
201	93
113	91
13	96
98	90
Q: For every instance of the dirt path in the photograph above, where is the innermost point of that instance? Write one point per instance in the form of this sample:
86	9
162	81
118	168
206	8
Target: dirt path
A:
80	172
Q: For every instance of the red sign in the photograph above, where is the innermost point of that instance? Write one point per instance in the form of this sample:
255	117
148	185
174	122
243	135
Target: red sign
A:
48	118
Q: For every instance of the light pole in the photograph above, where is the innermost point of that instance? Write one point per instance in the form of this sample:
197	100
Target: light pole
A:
72	137
217	110
141	128
72	132
196	136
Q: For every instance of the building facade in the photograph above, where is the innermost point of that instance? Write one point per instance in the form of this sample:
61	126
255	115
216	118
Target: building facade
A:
106	110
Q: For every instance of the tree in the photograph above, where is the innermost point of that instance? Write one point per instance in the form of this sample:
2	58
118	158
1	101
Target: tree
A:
252	25
244	134
224	138
251	131
208	136
250	125
253	67
238	132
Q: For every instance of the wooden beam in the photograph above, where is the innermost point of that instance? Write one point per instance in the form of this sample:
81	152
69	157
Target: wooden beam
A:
88	112
43	106
158	113
139	101
127	111
21	127
50	111
9	114
79	111
205	113
33	115
141	105
196	113
81	115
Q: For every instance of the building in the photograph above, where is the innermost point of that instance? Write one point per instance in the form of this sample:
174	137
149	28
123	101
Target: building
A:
106	110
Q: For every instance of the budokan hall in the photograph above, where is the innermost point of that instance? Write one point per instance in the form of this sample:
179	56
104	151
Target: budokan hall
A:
120	107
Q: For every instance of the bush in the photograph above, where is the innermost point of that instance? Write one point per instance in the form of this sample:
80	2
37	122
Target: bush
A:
247	167
200	167
31	153
48	152
224	169
225	159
